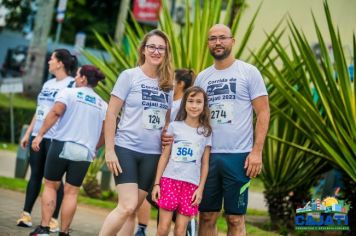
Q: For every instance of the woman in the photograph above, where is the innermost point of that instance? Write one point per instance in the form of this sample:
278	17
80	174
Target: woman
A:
81	114
62	65
144	93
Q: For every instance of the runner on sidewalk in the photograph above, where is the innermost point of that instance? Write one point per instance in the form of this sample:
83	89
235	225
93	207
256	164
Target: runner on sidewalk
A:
62	65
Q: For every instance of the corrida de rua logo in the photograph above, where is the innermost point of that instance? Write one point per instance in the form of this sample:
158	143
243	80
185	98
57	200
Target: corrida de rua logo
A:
328	214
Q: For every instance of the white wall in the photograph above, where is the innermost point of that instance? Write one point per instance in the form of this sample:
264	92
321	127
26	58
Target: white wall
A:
343	13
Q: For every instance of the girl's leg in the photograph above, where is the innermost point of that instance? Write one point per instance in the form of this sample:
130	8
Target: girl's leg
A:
129	226
69	206
127	204
180	227
164	225
48	203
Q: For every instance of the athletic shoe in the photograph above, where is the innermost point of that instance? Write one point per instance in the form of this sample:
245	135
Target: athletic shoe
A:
40	231
25	220
53	225
140	232
63	234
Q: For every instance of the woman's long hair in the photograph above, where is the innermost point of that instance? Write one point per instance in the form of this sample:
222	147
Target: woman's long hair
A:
164	71
204	117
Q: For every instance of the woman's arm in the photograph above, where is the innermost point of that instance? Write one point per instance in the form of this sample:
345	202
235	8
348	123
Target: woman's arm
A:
52	117
25	139
115	105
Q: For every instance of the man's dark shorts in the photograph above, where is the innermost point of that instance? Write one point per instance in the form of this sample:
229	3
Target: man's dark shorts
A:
227	182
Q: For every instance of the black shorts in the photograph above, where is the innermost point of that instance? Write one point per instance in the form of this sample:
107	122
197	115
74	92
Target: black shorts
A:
56	166
226	183
137	167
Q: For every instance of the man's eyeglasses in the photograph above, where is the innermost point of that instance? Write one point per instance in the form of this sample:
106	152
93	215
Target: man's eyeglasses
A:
221	38
152	48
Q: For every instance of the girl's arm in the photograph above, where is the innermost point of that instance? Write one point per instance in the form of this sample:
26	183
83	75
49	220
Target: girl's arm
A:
163	161
115	105
198	194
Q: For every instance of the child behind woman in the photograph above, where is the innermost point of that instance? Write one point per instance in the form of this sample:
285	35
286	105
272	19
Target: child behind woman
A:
183	166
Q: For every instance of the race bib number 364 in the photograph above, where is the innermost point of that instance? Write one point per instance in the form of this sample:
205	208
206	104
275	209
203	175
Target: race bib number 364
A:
153	118
221	113
184	151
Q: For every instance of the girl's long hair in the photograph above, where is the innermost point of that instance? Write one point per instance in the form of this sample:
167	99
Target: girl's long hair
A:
204	118
164	71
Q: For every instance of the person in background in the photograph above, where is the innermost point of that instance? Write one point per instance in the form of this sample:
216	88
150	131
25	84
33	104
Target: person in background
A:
62	65
81	114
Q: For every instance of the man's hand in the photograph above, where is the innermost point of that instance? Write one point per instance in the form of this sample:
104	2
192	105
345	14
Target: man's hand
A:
253	164
113	162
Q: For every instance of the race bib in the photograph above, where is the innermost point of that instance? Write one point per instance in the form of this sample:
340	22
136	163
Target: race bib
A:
221	113
41	112
185	151
153	118
75	152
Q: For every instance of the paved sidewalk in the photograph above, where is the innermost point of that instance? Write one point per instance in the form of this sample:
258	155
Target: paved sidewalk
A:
87	220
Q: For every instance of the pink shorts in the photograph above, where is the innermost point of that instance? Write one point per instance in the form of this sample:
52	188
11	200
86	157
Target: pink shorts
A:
176	195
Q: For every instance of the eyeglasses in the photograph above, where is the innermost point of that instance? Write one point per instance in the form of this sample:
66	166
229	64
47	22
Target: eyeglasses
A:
152	48
221	38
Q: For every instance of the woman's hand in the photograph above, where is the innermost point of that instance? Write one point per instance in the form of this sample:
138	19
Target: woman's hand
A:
113	162
36	143
24	141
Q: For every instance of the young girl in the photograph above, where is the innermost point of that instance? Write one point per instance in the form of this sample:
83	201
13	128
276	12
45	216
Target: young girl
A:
183	166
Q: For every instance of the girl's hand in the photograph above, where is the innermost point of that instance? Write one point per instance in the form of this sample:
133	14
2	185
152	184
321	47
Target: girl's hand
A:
36	143
24	141
156	193
197	197
113	162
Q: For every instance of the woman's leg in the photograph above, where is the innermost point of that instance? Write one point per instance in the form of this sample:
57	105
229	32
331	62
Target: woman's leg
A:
69	205
164	224
143	217
48	203
127	205
129	226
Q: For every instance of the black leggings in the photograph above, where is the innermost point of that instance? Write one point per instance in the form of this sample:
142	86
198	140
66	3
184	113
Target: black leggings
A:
37	163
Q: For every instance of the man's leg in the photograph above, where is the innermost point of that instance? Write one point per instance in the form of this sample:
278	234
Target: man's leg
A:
235	225
207	223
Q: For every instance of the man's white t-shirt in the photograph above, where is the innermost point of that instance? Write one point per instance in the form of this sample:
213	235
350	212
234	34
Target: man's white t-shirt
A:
187	151
175	109
45	102
144	111
83	118
230	93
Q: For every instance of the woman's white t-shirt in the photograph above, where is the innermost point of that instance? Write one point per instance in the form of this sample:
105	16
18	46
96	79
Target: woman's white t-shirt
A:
175	109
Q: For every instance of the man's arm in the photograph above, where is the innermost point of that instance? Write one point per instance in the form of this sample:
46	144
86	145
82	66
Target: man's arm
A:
254	160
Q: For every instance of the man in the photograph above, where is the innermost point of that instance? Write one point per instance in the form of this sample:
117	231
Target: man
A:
234	89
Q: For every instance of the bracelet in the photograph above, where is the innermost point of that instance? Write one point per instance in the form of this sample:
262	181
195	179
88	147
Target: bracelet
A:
156	184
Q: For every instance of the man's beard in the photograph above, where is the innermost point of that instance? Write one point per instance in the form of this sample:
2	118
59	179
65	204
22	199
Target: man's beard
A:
222	56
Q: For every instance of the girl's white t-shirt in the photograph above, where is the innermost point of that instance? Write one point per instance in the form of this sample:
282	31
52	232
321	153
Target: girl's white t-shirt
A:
187	151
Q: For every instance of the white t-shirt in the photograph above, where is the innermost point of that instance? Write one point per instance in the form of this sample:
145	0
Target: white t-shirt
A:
45	101
144	111
83	118
230	93
187	151
175	109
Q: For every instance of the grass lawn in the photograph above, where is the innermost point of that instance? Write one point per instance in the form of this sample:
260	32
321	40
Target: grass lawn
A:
20	185
8	146
19	101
